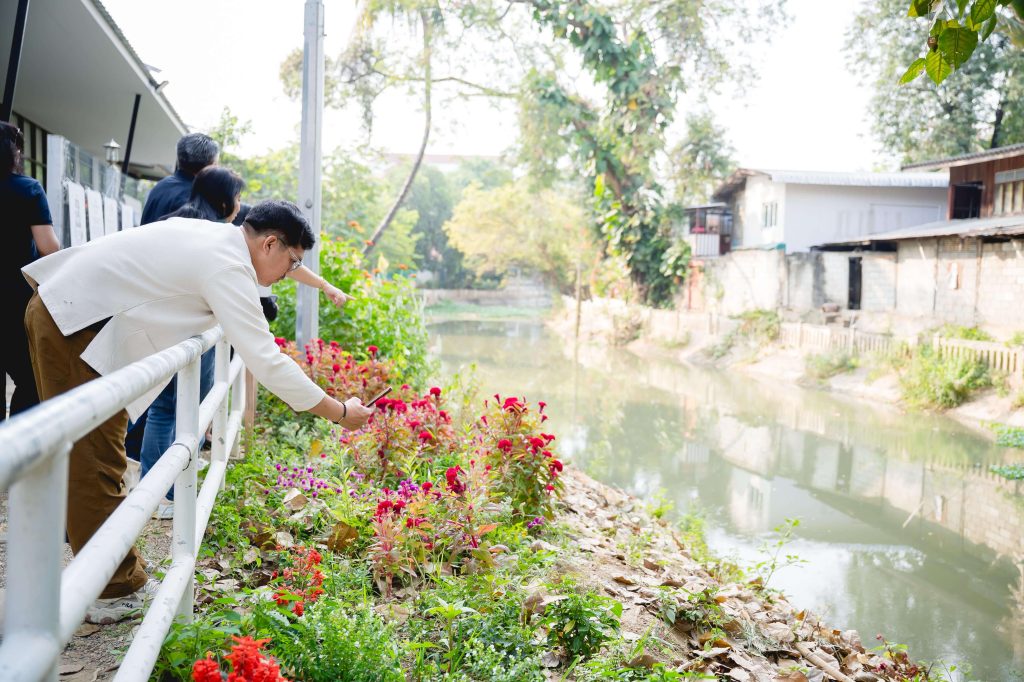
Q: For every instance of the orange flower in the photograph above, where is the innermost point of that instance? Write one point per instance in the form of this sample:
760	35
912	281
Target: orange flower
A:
403	266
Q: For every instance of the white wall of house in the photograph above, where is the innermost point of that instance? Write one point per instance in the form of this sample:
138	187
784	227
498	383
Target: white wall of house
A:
759	192
810	215
819	214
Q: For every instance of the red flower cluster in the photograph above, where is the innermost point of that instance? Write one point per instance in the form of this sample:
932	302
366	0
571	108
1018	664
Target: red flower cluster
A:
248	664
302	582
452	477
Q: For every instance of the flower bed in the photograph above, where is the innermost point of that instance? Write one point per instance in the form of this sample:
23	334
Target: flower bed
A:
441	541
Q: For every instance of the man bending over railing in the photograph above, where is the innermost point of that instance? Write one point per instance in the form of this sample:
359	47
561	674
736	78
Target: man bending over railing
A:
106	304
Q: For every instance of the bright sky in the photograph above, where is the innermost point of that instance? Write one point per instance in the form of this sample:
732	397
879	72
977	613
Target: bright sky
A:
806	112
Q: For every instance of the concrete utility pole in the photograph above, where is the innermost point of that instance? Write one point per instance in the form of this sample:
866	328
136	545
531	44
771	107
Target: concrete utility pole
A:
307	299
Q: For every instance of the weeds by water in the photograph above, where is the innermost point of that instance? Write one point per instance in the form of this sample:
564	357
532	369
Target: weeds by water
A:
820	367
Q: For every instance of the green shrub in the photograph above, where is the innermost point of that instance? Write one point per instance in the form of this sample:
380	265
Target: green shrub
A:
333	642
582	622
1009	436
760	325
953	331
827	365
385	313
1012	472
931	380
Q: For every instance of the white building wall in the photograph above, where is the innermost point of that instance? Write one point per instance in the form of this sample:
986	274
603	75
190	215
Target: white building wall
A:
819	214
760	190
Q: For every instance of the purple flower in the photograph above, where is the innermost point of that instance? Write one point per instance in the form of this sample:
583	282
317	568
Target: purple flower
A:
538	521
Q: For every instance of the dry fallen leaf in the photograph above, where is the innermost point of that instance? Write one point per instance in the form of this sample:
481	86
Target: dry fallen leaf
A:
623	580
794	676
342	535
295	500
644	660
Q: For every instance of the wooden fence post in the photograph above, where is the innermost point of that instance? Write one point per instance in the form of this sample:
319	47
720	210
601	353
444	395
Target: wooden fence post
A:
249	417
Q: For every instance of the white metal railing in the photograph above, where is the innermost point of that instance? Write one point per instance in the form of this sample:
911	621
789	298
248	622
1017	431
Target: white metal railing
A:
44	606
705	245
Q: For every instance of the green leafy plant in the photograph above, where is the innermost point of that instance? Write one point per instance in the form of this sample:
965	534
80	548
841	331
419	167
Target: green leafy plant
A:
820	367
385	312
582	622
1012	472
932	380
953	331
773	549
1009	436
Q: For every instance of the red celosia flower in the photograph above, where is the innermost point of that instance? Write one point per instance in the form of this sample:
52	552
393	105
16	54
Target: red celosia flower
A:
206	670
549	487
298	609
372	350
309	359
504	445
541	404
435	391
536	443
426	436
336	368
547	436
555	464
427	485
334	344
452	476
281	341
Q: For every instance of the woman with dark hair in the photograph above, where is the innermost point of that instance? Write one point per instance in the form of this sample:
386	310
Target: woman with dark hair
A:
216	196
28	234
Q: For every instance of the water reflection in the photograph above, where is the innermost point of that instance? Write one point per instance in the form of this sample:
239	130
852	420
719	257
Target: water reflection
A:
904	529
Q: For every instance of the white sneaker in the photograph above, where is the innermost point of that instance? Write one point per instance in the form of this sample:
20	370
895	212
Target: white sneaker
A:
107	611
164	511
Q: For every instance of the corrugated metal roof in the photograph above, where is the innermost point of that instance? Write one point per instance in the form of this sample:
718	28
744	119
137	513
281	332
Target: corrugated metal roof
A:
860	179
839	179
966	159
997	226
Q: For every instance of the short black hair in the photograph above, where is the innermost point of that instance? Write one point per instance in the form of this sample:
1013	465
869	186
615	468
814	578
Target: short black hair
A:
196	151
284	219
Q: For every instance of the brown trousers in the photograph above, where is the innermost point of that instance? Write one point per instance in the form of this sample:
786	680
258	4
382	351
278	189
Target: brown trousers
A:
97	462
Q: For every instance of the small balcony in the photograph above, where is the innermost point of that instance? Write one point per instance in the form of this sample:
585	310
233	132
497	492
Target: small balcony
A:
708	230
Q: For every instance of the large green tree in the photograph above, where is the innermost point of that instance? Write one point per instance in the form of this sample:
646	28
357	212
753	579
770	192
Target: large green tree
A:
701	160
980	105
597	88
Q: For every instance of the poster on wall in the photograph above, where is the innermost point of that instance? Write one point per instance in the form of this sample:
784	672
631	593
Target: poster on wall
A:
94	206
76	214
127	217
109	215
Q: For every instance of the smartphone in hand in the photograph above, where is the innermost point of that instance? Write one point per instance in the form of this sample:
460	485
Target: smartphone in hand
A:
379	396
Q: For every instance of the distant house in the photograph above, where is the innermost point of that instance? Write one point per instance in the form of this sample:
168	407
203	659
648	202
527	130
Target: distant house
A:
966	268
795	210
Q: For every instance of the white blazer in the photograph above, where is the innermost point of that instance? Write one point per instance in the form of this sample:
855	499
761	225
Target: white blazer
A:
160	285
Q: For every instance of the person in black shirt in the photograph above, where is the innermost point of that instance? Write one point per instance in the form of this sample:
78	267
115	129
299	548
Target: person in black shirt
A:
195	152
28	234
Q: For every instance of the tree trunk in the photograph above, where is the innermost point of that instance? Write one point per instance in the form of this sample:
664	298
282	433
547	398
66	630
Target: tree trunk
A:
407	185
997	124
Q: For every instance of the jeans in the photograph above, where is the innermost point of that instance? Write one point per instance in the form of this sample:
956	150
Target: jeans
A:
160	426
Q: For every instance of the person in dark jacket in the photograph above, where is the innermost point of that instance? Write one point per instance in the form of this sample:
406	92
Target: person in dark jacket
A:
195	152
28	234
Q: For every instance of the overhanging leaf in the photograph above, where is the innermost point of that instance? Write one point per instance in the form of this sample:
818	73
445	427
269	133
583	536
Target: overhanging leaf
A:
982	10
936	67
990	26
957	44
915	69
961	5
341	537
920	8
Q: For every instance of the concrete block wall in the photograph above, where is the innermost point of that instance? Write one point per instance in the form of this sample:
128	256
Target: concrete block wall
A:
745	280
956	280
1001	286
836	284
915	285
878	281
802	281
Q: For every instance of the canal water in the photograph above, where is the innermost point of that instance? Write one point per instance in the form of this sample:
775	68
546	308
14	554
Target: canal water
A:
903	529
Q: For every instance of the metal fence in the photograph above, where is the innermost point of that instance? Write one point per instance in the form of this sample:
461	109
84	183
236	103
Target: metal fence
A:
44	605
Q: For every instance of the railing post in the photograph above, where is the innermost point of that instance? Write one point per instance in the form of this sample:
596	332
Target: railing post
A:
183	536
35	551
238	397
221	375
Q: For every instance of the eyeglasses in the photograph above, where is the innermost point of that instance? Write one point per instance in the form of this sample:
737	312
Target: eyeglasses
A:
296	261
